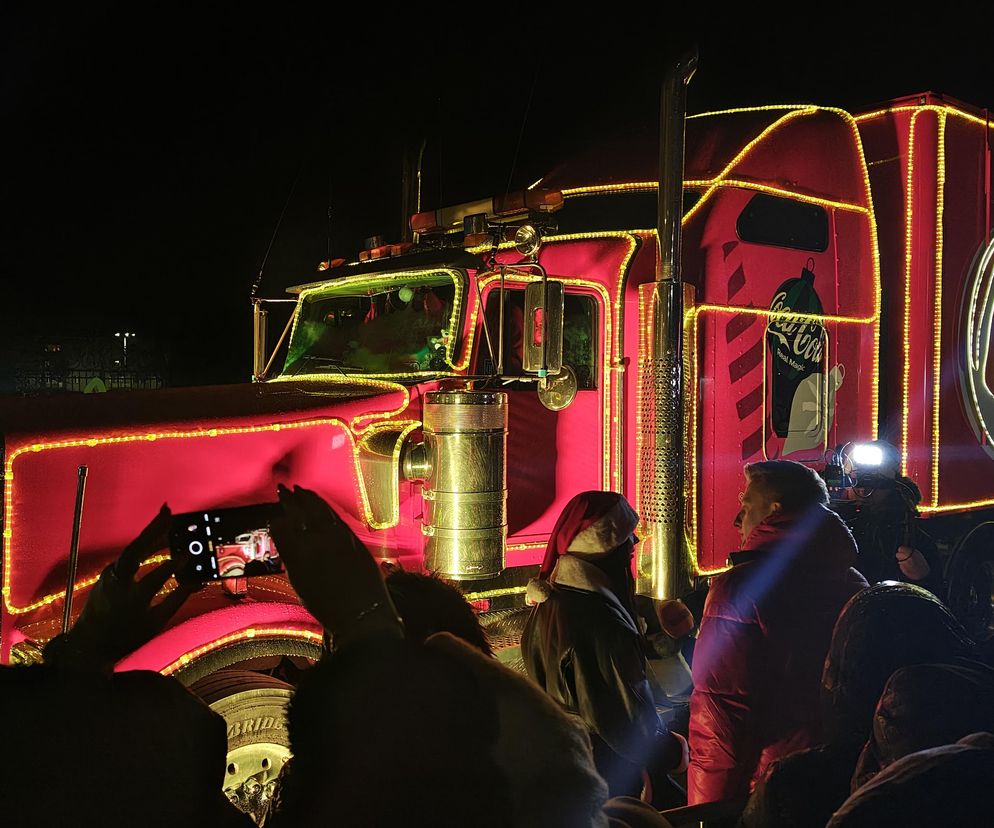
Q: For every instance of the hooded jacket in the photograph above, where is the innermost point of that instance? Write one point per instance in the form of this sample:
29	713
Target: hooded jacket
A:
882	633
948	785
765	631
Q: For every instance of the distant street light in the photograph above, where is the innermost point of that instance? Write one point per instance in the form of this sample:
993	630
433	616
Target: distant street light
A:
125	336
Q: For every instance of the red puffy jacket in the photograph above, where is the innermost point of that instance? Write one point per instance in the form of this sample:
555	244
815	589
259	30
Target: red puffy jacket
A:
766	629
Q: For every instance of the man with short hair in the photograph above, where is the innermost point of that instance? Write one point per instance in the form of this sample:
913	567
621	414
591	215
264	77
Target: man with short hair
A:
765	631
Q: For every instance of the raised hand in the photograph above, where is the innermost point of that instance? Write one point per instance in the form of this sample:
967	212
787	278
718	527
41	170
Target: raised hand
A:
119	615
331	570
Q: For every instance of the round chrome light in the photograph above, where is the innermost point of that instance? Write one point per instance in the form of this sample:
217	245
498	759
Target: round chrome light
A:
527	240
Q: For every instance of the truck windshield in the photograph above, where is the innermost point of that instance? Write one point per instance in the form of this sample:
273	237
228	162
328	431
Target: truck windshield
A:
379	324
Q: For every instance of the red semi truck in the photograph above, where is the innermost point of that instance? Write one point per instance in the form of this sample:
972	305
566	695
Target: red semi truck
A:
448	397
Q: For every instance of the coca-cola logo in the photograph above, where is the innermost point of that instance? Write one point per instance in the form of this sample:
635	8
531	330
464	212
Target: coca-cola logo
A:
796	342
799	341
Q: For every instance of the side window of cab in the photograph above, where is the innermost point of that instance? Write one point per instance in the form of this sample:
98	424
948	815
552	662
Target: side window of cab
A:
579	336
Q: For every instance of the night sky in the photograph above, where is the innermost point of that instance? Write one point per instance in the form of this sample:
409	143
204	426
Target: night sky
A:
149	153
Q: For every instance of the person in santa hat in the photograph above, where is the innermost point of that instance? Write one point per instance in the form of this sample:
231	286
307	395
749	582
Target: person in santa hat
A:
582	643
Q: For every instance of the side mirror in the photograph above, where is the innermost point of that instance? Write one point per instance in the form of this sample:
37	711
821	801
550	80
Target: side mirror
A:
543	340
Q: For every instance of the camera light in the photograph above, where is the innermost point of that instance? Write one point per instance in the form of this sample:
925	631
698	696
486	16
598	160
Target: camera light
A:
865	454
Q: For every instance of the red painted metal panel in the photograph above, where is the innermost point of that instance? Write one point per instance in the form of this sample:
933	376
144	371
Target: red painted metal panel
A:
966	466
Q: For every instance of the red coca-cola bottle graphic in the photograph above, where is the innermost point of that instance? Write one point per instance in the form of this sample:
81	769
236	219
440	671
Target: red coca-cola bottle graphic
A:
797	344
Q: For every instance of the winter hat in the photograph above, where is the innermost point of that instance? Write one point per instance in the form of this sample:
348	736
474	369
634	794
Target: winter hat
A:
592	525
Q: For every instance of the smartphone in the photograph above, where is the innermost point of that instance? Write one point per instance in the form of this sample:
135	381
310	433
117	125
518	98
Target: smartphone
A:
224	543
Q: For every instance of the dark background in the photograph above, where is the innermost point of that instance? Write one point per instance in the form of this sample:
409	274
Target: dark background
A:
148	153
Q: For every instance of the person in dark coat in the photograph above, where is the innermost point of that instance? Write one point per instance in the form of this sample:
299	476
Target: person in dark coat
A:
424	728
583	646
766	628
947	785
891	545
95	747
925	706
881	630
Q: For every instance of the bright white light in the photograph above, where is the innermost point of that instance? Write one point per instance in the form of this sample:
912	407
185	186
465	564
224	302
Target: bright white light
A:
867	455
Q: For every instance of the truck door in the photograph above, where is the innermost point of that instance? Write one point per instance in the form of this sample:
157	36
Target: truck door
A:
551	455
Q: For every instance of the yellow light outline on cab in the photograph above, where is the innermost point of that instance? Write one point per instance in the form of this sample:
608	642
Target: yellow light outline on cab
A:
692	315
633	237
334	286
523	278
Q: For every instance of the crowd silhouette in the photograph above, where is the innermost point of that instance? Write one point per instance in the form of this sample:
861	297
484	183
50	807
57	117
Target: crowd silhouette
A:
817	699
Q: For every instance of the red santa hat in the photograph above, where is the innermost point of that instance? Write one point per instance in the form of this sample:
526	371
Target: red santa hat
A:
592	525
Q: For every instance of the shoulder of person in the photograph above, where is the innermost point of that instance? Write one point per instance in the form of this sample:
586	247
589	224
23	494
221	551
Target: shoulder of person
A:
591	604
730	596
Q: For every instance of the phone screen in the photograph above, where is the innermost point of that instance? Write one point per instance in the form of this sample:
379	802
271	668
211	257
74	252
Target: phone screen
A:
225	543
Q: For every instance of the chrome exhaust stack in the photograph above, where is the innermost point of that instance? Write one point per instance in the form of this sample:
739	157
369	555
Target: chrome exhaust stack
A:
666	573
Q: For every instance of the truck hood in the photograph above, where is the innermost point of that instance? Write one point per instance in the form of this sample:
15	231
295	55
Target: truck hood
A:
53	417
193	449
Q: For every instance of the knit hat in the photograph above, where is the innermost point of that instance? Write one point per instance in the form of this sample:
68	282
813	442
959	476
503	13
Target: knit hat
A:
592	525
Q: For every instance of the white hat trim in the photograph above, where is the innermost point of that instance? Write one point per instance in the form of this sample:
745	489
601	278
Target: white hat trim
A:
608	533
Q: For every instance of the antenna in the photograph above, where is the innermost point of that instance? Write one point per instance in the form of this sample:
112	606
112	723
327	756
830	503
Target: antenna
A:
521	132
276	230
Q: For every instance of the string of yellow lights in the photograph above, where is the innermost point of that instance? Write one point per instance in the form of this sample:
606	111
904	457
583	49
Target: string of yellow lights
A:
518	277
599	189
646	331
692	491
947	109
241	635
746	110
495	593
942	113
748	148
791	194
957	507
618	362
783	316
940	188
875	257
379	281
906	339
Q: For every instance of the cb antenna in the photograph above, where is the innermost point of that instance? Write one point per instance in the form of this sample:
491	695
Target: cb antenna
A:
276	230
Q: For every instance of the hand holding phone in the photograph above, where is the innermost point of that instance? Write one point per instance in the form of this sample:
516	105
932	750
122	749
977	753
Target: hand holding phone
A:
213	544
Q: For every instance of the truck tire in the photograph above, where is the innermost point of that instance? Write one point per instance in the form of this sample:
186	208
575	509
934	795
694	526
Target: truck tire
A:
234	656
971	582
253	706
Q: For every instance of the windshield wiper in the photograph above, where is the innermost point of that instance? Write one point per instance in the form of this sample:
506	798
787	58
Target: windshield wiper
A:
308	358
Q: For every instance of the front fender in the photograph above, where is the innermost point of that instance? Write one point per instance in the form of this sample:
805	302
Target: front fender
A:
201	635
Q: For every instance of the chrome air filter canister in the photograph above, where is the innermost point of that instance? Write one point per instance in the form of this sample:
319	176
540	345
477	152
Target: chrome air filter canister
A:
465	483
